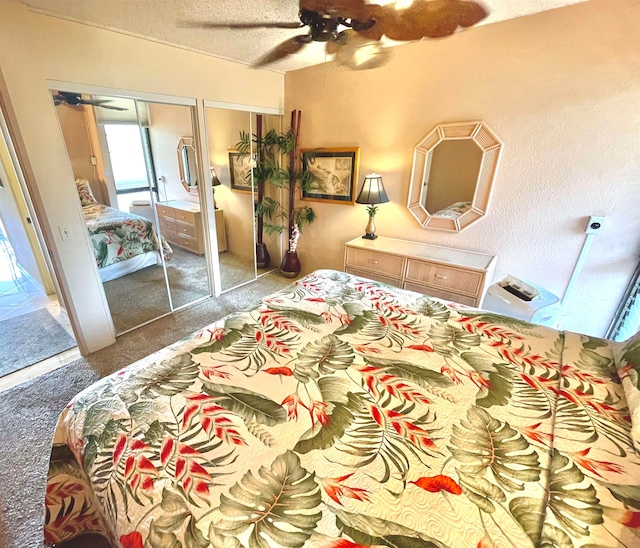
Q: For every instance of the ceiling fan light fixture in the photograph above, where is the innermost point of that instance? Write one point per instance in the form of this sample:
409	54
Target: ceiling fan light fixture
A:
362	54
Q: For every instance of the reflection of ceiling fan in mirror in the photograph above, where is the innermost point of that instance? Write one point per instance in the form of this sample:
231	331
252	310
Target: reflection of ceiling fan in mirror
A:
353	29
75	99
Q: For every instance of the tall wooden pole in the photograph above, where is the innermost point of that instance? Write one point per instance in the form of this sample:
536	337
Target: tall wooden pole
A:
260	182
296	118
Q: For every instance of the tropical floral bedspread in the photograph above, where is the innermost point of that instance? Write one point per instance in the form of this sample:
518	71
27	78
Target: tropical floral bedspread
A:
117	236
342	413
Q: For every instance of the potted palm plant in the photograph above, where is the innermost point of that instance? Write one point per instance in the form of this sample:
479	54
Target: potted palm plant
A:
272	217
291	178
262	171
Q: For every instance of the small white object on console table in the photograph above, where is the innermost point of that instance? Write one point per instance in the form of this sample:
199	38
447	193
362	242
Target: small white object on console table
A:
441	272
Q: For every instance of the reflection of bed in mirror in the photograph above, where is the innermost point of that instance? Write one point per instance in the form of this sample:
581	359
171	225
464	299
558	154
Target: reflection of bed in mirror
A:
454	210
122	242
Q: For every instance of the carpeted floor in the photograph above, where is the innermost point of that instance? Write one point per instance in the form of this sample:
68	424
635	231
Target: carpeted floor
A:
29	412
30	338
142	295
235	270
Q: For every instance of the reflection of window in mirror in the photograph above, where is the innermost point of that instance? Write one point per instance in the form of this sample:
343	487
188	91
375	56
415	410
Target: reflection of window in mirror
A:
451	176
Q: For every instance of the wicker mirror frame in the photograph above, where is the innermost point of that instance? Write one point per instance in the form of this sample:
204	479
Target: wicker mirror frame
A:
491	147
184	145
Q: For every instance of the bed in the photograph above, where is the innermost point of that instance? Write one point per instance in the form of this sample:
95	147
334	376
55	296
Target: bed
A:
454	210
122	242
340	413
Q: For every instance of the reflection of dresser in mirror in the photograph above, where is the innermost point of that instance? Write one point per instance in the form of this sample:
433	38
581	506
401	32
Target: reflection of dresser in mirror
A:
181	225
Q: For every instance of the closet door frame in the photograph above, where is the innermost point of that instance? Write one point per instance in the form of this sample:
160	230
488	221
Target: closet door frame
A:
53	85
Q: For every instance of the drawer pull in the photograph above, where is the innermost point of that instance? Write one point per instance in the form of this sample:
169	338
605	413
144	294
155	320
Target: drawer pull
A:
373	261
441	276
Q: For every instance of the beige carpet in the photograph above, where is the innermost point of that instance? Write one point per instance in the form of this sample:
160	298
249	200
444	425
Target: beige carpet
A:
142	295
30	338
29	412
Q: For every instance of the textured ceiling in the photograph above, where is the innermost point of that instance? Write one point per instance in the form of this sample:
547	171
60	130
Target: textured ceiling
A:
156	19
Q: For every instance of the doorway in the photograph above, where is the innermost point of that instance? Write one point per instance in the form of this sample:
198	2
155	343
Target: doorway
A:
34	325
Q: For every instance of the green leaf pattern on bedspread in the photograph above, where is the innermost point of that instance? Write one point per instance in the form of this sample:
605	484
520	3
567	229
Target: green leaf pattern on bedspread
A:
343	413
117	236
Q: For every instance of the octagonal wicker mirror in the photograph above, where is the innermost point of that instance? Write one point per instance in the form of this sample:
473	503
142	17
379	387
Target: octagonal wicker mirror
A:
454	167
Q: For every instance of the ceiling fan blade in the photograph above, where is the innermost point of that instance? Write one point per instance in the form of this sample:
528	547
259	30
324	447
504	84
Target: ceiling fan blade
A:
111	107
345	9
428	18
211	25
94	102
289	47
471	13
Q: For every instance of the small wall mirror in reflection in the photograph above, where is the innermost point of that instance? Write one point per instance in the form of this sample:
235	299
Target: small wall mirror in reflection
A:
187	163
453	171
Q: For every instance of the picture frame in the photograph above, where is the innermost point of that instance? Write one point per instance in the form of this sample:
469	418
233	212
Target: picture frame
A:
240	165
334	174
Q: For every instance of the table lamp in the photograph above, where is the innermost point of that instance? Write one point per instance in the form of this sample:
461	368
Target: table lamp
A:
214	183
372	193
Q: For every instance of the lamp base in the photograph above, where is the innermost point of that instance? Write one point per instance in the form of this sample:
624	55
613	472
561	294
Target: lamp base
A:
369	236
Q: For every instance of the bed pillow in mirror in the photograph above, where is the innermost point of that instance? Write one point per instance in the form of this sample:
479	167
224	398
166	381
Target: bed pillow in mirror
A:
628	363
85	193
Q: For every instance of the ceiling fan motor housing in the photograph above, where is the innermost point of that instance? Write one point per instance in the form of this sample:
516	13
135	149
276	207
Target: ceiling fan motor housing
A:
72	99
324	28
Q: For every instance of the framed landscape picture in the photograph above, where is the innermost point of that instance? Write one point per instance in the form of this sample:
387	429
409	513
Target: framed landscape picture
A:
240	171
334	172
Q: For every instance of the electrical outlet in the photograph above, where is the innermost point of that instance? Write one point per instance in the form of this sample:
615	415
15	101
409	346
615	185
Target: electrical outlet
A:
94	161
65	232
594	225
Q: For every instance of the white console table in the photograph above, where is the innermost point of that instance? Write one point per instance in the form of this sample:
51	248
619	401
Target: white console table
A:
441	272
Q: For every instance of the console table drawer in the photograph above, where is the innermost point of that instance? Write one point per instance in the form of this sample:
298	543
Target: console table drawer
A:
185	217
164	211
445	277
374	261
186	229
439	294
167	226
396	282
187	242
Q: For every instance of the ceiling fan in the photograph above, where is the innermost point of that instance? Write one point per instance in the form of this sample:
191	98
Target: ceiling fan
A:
75	99
352	29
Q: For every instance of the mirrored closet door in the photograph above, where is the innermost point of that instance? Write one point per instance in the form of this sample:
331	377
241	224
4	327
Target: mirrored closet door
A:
137	177
231	164
175	167
248	243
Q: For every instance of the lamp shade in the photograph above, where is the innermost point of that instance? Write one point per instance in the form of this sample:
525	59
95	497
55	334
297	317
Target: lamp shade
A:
372	191
214	178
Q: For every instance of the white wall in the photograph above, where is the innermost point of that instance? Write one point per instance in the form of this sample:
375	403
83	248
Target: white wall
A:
35	48
562	91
